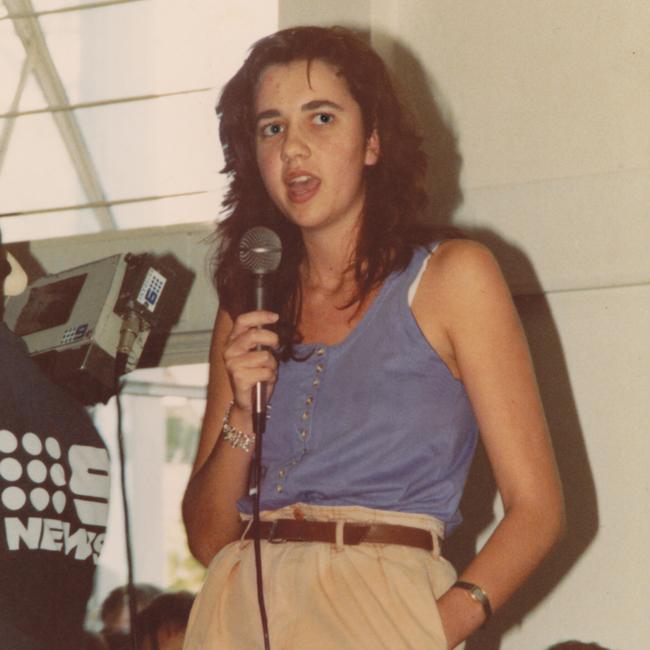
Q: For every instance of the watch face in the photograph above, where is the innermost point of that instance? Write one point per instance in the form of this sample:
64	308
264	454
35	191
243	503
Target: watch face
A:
476	593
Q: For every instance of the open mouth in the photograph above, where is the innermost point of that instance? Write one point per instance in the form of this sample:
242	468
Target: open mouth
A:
302	187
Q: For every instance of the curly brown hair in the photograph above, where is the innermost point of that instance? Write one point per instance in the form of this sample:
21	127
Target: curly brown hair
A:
392	223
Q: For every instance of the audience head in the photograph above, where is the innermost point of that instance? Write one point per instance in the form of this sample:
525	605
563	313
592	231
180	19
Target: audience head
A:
115	611
577	645
161	625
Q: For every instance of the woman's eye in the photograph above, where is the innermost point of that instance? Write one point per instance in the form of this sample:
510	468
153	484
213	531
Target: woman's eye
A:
269	130
323	118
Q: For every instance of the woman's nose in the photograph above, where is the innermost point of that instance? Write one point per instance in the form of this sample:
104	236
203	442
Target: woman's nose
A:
294	145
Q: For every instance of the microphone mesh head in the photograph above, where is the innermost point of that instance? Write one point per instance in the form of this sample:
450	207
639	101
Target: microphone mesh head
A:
260	250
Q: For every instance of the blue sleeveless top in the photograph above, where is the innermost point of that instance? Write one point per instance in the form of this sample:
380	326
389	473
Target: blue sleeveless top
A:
376	420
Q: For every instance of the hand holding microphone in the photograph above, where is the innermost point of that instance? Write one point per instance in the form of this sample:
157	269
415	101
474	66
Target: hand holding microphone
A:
249	359
250	364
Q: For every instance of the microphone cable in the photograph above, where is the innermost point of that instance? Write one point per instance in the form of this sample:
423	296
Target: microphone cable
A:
257	545
120	364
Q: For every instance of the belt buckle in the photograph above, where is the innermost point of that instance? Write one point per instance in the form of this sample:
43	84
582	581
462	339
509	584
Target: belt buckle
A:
271	537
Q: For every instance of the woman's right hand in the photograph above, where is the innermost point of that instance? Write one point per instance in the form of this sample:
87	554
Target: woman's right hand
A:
220	472
248	356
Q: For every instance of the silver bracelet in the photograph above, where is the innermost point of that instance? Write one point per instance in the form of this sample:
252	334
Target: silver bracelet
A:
235	437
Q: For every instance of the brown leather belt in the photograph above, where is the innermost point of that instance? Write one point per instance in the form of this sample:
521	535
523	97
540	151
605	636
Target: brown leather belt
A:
295	530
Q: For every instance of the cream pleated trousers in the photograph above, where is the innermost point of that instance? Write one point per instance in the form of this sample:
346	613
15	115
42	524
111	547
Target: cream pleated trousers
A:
322	596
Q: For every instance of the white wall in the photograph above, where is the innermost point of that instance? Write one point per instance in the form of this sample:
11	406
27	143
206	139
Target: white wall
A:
550	103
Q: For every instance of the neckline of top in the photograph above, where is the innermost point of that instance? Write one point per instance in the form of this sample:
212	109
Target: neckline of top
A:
370	312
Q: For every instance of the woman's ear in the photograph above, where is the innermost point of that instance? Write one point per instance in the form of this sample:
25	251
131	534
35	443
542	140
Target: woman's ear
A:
372	148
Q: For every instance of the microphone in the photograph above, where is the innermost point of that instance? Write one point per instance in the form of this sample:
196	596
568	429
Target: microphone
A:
260	252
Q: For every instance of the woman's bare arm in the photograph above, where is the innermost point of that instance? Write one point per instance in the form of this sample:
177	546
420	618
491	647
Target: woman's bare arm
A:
465	309
220	473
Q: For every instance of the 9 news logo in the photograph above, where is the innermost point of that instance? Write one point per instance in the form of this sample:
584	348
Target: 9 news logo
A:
37	493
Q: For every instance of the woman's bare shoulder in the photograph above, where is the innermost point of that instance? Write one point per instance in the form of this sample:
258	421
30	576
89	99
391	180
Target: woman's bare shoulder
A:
460	271
460	258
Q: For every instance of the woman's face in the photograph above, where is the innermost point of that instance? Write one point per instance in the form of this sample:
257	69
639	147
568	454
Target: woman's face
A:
310	145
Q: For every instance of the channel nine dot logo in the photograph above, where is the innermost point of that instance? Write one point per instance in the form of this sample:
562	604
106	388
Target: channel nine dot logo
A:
36	488
11	469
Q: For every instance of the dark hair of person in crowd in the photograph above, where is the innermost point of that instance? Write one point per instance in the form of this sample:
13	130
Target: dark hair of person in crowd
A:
393	221
114	612
577	645
164	620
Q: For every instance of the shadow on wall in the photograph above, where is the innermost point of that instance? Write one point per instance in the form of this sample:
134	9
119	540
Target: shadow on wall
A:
427	108
443	180
570	450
